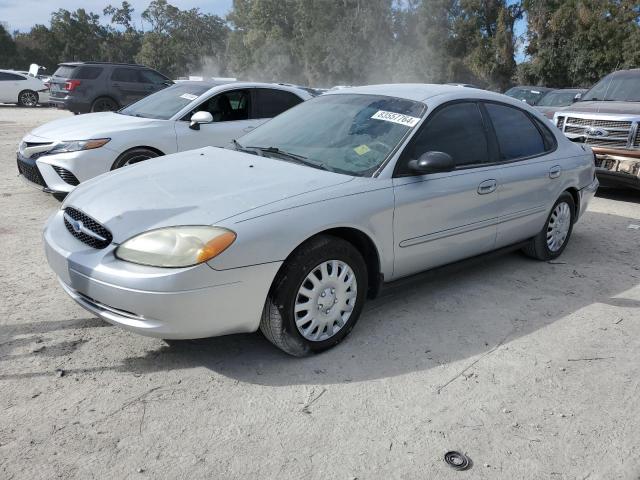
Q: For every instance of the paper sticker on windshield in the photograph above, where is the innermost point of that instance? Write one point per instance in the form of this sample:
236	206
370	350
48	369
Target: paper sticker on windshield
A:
188	96
396	118
362	149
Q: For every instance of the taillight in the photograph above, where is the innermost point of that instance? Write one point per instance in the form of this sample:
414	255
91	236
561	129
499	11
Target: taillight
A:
70	85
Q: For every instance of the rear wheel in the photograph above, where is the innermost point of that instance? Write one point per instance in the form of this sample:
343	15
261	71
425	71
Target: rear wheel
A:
28	98
317	297
132	156
104	104
554	237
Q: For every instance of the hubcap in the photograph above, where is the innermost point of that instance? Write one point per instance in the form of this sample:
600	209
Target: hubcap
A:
29	99
136	159
558	226
325	300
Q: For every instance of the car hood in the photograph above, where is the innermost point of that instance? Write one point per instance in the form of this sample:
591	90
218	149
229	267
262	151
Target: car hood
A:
197	187
626	108
91	125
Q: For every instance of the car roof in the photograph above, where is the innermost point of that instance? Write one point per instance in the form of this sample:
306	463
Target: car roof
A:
14	71
569	90
420	92
76	64
218	83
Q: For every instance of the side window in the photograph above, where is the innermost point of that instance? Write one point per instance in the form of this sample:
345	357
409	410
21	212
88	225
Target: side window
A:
272	102
87	73
125	75
11	77
227	106
149	76
458	130
518	137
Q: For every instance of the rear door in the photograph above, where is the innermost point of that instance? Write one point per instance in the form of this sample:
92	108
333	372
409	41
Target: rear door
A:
126	85
270	102
231	119
529	175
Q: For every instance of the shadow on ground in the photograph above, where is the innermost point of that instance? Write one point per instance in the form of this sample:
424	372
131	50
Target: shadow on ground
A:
445	316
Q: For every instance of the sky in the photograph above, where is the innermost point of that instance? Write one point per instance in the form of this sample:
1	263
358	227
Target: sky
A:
23	14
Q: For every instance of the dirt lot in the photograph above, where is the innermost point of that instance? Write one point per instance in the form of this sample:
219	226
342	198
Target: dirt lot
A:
532	369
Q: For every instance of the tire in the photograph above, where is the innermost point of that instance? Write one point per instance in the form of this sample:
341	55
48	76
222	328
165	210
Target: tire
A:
132	156
544	246
104	104
331	258
28	98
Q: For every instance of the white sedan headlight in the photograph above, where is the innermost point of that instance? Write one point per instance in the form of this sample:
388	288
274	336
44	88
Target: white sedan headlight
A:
78	145
176	246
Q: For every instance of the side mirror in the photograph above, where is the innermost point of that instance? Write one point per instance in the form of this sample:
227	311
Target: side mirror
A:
432	162
198	118
577	97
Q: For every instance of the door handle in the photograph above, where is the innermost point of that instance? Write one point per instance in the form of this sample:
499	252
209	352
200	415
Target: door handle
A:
248	129
555	171
488	186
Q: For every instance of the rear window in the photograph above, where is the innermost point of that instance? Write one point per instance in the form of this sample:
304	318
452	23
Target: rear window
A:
87	73
64	71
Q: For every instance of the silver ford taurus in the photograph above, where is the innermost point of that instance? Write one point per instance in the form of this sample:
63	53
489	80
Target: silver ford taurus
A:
292	227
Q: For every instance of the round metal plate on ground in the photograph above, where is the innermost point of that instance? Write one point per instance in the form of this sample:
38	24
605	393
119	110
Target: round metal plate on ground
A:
457	460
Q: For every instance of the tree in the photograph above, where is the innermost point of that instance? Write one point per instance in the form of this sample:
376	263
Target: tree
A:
8	50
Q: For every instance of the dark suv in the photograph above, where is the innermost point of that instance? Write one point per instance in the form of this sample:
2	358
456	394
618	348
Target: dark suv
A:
99	87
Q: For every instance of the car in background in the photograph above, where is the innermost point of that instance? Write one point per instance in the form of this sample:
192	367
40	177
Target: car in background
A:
293	226
557	99
22	89
59	155
607	118
529	95
83	87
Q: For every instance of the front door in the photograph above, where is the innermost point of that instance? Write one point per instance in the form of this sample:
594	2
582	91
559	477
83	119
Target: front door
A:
231	119
443	217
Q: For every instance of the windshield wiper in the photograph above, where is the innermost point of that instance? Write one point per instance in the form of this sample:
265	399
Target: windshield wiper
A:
290	156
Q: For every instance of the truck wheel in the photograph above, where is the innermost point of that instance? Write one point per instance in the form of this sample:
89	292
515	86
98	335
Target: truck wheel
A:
104	104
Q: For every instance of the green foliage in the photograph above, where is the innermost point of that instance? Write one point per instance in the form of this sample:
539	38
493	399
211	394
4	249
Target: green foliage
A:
347	42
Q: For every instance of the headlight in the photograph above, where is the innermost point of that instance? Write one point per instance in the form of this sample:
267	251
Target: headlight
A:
77	145
176	246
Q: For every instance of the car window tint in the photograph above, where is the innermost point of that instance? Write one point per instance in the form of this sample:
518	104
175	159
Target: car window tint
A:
87	73
149	76
64	71
272	102
517	136
125	75
11	76
227	106
456	129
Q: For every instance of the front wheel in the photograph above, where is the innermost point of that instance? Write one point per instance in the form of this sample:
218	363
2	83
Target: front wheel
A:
317	297
28	98
132	156
554	237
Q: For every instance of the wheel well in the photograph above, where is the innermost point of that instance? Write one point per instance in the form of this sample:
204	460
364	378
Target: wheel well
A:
153	149
363	243
576	199
104	96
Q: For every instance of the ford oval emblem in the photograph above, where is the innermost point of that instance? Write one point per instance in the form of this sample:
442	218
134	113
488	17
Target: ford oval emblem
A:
597	132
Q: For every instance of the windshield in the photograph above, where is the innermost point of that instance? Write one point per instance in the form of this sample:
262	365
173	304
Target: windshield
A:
618	87
529	95
557	99
166	103
351	134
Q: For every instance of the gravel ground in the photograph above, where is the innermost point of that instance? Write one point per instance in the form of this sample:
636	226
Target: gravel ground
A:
530	368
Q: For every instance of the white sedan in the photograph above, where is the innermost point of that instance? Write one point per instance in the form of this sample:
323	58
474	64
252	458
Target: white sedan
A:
61	154
23	89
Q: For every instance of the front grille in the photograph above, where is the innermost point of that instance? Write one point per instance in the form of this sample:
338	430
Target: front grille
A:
89	224
560	123
618	131
636	140
66	175
30	172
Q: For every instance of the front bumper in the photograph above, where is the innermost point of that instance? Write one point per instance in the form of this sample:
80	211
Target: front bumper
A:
61	172
617	169
178	303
